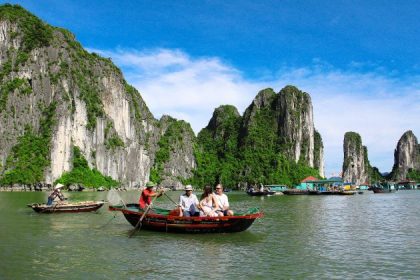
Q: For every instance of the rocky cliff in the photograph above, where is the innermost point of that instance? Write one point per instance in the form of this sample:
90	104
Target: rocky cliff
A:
289	114
406	158
216	150
356	165
273	142
174	160
56	93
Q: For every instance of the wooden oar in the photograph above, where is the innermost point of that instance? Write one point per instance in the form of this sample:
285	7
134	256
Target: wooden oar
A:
138	225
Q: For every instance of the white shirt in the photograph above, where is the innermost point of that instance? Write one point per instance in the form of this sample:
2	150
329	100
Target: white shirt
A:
222	201
188	202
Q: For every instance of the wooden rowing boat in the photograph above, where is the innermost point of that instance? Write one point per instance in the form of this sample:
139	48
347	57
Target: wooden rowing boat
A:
260	193
168	221
66	207
295	192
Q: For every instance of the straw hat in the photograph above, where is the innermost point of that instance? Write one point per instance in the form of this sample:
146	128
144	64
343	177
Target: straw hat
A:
58	186
188	188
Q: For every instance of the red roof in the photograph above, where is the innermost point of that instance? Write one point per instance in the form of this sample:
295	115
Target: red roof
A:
310	178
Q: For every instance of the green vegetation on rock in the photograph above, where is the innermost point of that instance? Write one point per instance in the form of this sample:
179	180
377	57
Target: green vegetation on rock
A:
318	146
230	152
373	172
216	149
413	175
84	175
9	87
353	137
30	156
35	33
167	145
112	141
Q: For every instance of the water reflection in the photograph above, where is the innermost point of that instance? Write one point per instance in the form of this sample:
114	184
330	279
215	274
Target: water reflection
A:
300	237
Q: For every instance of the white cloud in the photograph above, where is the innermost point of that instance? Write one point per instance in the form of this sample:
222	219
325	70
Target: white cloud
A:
377	107
173	83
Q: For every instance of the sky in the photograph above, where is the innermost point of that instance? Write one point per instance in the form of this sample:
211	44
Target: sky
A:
359	60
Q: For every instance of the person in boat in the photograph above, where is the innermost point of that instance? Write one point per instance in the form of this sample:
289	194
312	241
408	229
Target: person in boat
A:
208	204
222	201
188	203
56	193
146	195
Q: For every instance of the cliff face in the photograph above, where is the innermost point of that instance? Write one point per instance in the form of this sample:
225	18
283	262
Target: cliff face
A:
290	115
174	160
274	141
296	125
216	150
406	156
94	108
354	166
318	153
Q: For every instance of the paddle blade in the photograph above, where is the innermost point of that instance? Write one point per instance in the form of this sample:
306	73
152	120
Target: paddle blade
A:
113	197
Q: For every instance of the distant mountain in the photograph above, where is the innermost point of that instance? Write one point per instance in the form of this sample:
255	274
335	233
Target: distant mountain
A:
356	165
406	158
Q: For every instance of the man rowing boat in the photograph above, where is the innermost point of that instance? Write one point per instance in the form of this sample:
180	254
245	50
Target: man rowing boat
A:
146	196
56	193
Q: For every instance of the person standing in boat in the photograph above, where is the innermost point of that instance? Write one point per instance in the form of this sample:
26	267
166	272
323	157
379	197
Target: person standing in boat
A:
188	203
147	194
56	193
222	201
208	204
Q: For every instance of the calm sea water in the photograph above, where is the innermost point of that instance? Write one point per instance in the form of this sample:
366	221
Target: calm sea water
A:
369	236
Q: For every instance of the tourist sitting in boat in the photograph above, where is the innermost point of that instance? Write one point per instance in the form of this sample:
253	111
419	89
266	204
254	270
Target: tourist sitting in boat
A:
208	204
146	195
56	193
188	203
222	201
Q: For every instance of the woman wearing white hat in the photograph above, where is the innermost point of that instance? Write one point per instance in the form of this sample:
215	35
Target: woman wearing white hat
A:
56	193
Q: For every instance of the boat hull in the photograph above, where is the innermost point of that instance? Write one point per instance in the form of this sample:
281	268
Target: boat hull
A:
261	193
382	190
176	224
316	192
295	192
87	206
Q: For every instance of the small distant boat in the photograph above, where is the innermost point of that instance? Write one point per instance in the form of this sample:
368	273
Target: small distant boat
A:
347	192
295	192
260	193
331	192
65	207
169	221
278	189
383	188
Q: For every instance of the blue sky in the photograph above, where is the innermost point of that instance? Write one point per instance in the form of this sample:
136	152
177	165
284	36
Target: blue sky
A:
359	60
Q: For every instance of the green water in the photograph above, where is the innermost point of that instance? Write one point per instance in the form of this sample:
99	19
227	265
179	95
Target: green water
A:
369	236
